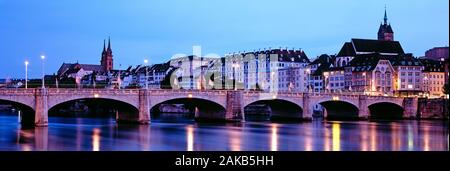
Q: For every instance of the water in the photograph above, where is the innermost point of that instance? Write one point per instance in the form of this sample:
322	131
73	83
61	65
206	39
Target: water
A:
88	134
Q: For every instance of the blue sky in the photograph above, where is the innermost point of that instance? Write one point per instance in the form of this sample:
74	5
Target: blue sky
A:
73	30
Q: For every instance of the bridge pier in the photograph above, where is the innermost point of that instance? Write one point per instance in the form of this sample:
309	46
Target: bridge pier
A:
363	109
41	106
144	104
307	109
235	107
410	106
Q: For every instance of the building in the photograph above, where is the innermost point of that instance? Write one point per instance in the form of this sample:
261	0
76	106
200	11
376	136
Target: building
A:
334	79
271	70
372	74
81	72
189	71
437	53
315	71
385	32
408	78
107	57
292	79
433	78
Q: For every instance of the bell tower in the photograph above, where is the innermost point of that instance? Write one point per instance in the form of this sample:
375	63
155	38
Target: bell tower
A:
385	32
107	57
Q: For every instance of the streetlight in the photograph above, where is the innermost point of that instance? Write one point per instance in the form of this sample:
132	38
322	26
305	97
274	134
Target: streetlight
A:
43	71
146	72
308	71
26	73
326	82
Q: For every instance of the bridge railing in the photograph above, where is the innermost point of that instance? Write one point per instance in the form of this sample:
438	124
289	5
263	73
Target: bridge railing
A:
92	91
16	91
23	91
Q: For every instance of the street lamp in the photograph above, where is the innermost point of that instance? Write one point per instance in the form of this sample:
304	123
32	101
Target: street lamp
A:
26	73
146	72
308	71
326	82
43	71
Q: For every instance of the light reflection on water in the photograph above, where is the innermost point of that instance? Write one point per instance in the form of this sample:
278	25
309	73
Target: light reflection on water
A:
70	134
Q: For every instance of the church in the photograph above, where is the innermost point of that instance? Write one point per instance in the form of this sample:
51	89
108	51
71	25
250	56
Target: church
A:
77	71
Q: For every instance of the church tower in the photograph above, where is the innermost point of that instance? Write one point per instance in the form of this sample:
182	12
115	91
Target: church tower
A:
385	32
107	57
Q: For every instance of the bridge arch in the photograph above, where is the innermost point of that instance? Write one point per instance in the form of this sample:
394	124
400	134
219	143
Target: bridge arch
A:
339	109
107	106
194	107
27	112
275	109
386	110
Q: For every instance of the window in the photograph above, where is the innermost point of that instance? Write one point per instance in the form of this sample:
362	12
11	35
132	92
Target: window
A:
410	74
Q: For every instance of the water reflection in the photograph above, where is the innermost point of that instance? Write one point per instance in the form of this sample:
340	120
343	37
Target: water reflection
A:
235	140
373	137
98	134
426	139
144	140
274	138
96	139
410	138
190	137
336	137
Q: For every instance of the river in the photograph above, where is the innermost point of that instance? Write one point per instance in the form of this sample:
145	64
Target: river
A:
99	134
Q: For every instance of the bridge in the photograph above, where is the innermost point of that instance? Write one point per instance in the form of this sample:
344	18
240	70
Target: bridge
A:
136	105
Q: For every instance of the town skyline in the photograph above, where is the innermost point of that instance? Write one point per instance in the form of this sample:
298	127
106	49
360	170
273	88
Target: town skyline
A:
132	48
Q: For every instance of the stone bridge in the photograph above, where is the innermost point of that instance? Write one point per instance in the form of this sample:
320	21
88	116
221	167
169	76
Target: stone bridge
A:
225	105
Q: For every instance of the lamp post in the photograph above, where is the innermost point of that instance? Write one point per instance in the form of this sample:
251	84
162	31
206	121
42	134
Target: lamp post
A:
146	73
309	86
26	74
43	71
326	82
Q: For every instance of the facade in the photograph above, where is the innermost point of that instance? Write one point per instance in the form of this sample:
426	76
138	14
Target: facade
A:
372	74
408	77
292	79
433	78
189	72
316	71
271	70
334	79
367	48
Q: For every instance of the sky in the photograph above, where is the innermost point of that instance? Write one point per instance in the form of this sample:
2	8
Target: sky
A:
72	30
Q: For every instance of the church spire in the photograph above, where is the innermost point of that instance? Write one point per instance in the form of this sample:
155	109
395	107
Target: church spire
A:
385	15
104	45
